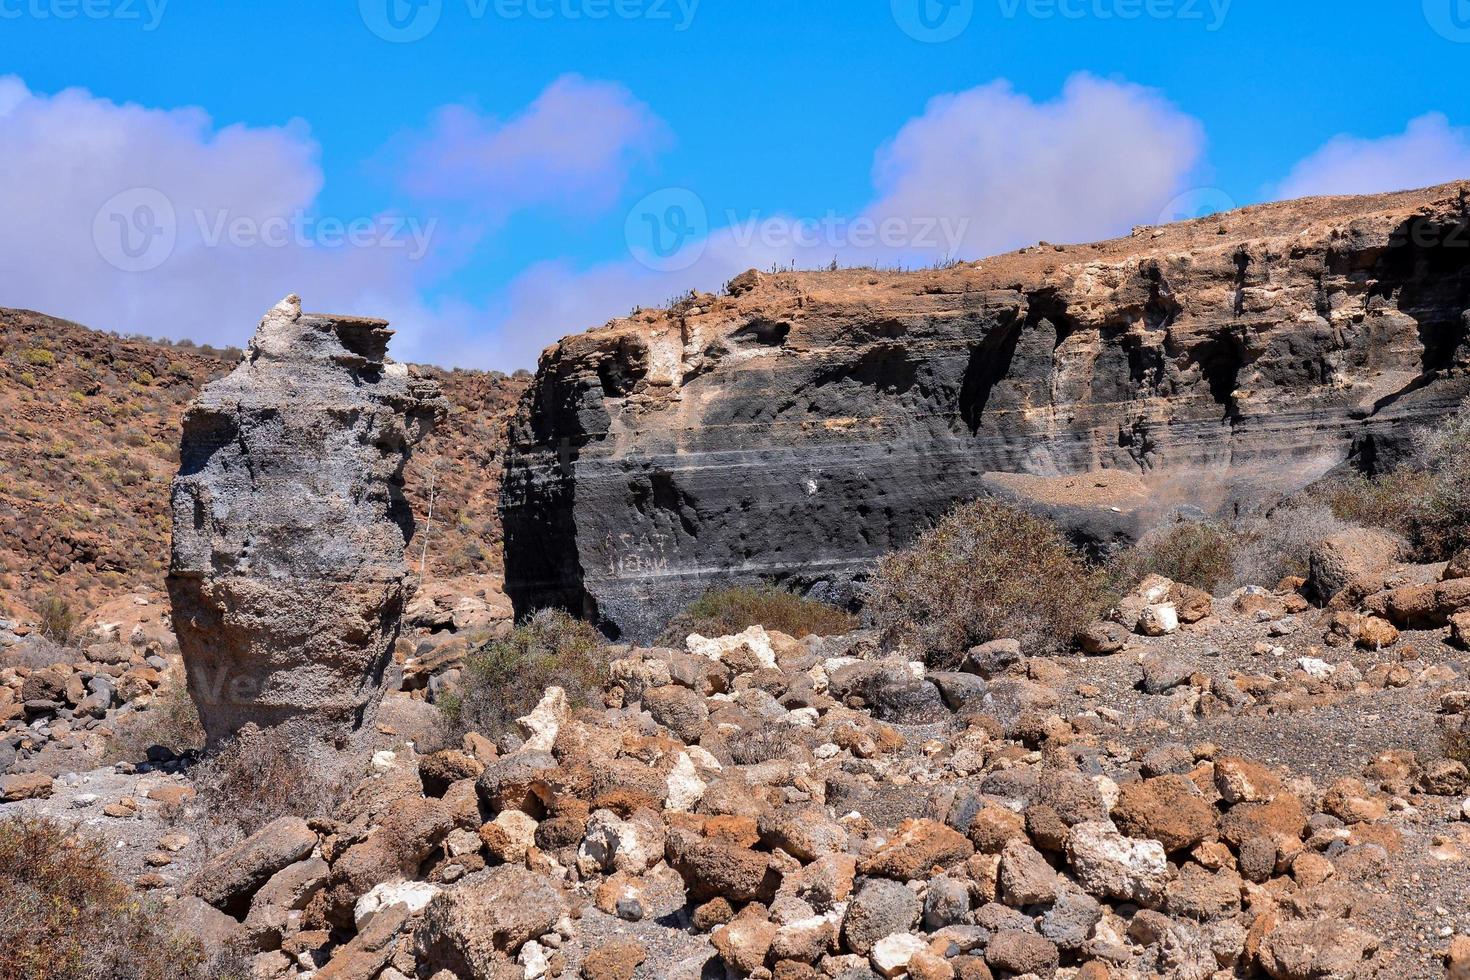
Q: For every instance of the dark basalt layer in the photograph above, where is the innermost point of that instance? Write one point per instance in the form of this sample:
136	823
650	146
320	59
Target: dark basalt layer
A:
801	426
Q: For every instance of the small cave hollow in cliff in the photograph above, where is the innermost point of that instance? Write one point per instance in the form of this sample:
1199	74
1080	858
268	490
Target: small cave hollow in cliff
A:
1426	272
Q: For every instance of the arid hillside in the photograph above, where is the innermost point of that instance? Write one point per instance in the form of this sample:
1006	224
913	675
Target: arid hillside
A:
90	443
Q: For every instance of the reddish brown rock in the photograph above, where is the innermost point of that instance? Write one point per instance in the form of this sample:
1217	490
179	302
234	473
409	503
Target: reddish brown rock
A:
1168	809
712	869
615	959
915	848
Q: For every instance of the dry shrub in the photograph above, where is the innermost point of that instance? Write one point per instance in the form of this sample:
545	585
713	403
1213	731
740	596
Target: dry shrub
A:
986	571
1195	553
1439	508
171	721
36	652
1280	544
723	612
66	916
505	679
1427	500
1454	743
753	746
262	776
1379	501
58	622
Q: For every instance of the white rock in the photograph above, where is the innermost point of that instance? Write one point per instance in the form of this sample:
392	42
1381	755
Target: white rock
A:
414	894
1320	669
1108	790
718	648
685	787
612	844
826	750
702	759
384	760
83	800
533	960
1107	863
1159	619
805	717
1154	588
1465	810
891	954
539	728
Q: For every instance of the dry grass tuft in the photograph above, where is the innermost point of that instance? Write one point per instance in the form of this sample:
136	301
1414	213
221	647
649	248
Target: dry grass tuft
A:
262	776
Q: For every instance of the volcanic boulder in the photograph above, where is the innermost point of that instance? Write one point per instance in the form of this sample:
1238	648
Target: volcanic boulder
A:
288	576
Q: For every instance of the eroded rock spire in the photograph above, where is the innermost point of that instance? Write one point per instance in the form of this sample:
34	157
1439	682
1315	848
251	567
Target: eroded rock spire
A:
288	574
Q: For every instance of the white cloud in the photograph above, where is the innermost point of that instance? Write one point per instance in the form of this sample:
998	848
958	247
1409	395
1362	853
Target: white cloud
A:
161	222
574	146
1429	151
1101	157
980	172
84	180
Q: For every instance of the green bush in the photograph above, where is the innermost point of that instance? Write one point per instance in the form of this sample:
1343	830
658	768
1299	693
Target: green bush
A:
722	612
39	357
1195	553
505	679
68	917
986	571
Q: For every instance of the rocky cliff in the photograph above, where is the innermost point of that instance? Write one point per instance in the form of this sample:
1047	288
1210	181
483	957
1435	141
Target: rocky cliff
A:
803	424
288	576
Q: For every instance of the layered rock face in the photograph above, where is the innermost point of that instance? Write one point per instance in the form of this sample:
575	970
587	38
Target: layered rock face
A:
805	424
288	576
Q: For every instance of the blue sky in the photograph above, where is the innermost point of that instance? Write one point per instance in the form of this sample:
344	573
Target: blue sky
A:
515	160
